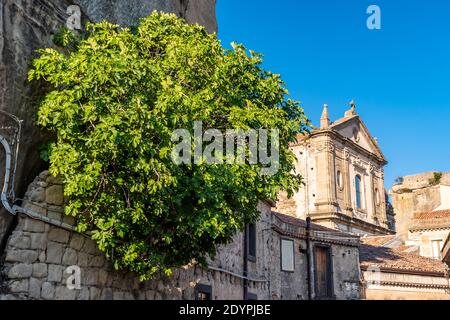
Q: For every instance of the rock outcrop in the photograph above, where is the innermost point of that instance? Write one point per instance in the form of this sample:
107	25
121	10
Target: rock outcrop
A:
128	12
27	25
417	193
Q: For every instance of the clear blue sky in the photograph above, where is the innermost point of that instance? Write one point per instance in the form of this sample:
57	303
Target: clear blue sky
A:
399	76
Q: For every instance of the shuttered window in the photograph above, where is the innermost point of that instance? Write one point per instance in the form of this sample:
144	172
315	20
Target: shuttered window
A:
287	255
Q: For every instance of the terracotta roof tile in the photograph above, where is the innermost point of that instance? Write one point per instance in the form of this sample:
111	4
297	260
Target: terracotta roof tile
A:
302	223
377	241
432	215
400	258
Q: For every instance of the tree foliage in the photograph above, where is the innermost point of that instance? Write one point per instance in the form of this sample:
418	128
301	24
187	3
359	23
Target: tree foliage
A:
116	96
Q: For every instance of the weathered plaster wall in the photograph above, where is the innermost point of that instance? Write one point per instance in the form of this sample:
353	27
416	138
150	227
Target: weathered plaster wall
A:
294	285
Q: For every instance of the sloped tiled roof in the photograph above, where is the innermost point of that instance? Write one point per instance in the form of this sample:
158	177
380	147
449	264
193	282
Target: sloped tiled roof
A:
319	233
402	258
378	240
302	223
432	215
439	219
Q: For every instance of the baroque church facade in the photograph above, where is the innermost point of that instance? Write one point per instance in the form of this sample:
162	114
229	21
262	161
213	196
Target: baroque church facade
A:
343	170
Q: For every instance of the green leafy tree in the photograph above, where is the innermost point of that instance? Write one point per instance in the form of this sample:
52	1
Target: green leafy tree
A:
116	96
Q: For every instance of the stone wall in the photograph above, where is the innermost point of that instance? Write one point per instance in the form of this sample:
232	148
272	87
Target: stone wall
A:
294	285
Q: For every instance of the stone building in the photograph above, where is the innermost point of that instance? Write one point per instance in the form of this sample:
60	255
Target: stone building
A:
343	168
277	258
429	231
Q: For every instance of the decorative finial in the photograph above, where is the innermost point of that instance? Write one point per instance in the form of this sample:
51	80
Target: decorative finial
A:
325	118
352	111
352	104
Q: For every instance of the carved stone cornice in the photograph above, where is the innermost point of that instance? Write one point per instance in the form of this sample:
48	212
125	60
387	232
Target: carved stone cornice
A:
325	146
348	143
337	217
357	162
346	153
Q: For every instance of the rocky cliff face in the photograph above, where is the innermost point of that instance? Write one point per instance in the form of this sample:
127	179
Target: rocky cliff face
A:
128	12
27	25
417	193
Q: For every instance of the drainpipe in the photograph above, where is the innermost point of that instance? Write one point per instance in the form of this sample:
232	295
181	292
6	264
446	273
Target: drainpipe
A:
245	271
308	257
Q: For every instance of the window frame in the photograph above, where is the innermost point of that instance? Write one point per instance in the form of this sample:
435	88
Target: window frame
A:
251	296
377	197
440	244
205	289
339	180
251	238
293	254
359	192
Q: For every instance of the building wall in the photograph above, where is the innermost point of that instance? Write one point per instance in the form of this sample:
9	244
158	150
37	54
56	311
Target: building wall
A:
394	286
424	240
294	285
445	197
345	271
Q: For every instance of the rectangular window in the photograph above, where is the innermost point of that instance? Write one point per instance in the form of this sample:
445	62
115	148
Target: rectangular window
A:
323	272
203	292
251	242
358	190
287	255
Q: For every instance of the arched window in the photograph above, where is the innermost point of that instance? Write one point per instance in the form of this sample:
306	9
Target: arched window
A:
358	192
